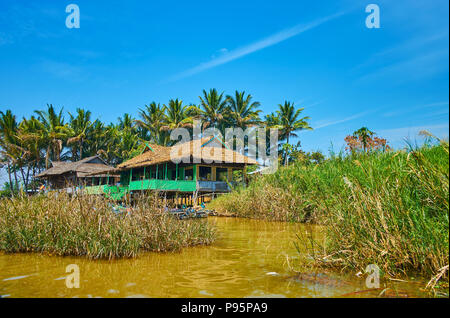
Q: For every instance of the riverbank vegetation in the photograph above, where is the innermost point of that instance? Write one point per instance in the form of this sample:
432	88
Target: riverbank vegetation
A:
30	145
87	226
389	208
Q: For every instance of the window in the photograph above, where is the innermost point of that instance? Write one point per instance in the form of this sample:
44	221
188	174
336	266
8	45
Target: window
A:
137	174
112	181
148	172
221	174
189	174
152	172
160	170
205	173
171	174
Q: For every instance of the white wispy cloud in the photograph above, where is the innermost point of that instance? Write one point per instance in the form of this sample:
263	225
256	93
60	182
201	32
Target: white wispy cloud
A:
411	47
324	124
418	67
412	109
311	105
276	38
443	103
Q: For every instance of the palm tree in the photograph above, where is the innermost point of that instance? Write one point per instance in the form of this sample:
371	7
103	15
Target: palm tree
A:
243	112
32	144
271	120
103	141
289	122
364	134
213	107
55	132
79	126
177	115
8	141
152	119
127	144
126	122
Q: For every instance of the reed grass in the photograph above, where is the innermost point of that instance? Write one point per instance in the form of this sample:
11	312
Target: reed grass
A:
86	226
389	209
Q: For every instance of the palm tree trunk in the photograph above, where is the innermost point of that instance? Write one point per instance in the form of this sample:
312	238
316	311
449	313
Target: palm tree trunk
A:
286	154
81	148
23	178
58	153
47	157
34	173
74	153
27	177
16	180
10	178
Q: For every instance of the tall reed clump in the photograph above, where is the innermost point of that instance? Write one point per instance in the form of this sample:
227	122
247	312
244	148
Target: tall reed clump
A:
389	209
86	226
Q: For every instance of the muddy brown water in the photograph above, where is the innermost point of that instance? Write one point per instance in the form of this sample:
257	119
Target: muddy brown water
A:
249	259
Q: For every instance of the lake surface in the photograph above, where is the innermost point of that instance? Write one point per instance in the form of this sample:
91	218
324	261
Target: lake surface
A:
249	259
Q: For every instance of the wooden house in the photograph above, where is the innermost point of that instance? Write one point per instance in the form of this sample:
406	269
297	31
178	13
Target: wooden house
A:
202	166
68	175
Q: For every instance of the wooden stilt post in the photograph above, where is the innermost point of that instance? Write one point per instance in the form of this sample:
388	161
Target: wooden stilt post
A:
142	183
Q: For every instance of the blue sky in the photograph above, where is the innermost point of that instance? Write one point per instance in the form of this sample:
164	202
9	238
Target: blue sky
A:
318	54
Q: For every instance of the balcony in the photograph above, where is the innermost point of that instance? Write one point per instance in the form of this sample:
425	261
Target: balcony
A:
213	186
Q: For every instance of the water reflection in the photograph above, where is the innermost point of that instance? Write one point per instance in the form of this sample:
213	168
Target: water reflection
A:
248	260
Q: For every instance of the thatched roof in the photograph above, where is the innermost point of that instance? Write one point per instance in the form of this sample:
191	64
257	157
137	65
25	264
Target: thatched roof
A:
152	154
206	149
83	168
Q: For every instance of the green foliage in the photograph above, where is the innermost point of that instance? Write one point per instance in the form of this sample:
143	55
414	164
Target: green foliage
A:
86	226
386	208
30	146
243	112
213	108
287	120
8	190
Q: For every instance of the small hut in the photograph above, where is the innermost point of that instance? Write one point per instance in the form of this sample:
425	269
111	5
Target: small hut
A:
86	172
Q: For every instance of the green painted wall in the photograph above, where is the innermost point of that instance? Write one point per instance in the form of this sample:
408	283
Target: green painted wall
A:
162	184
174	185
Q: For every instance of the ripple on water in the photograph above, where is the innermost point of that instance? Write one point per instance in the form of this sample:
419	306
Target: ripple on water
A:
248	260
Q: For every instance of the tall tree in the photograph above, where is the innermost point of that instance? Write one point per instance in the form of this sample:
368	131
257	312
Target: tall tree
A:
126	122
243	112
364	134
213	108
80	126
8	142
104	141
177	115
290	122
55	132
152	119
32	144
